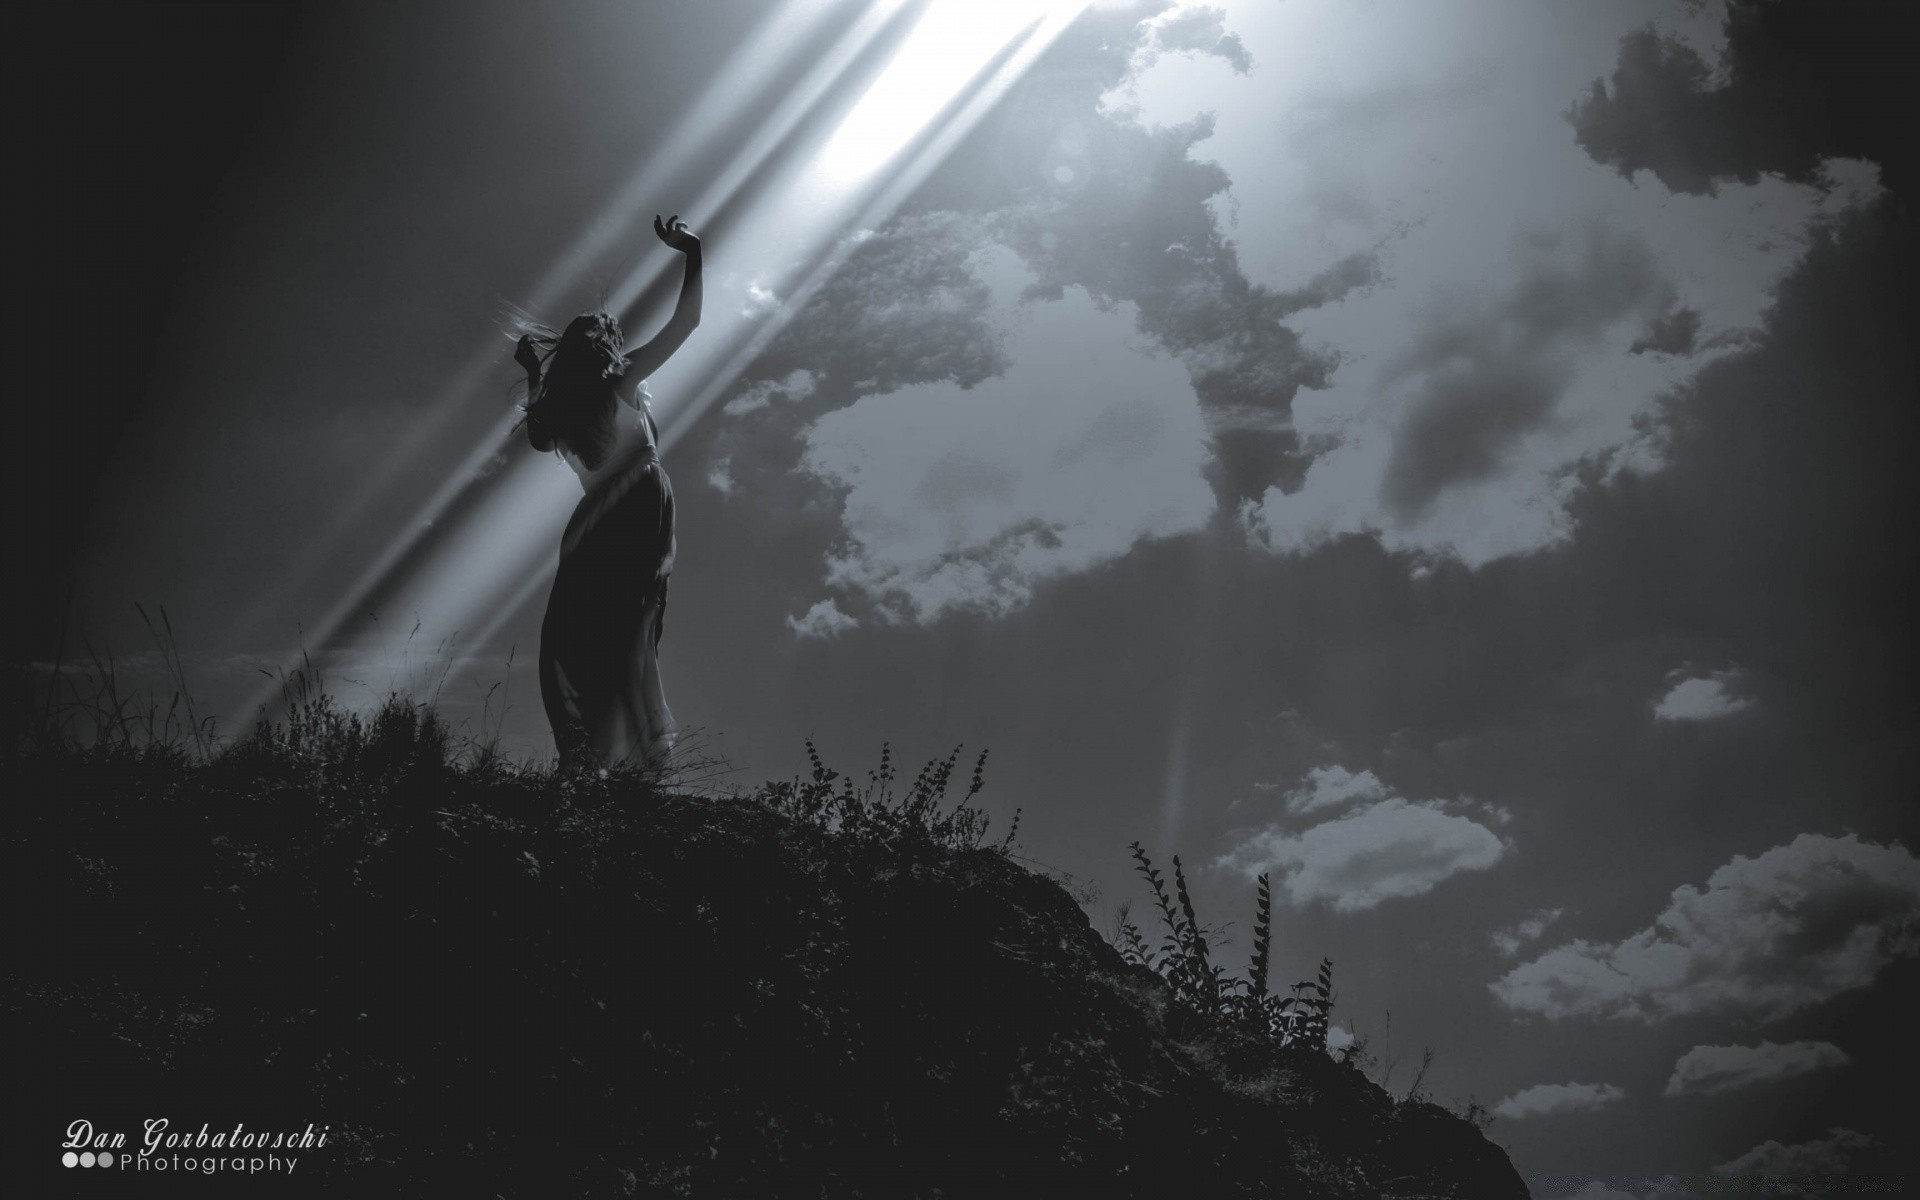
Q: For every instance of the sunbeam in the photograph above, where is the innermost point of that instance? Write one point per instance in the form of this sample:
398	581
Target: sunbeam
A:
869	133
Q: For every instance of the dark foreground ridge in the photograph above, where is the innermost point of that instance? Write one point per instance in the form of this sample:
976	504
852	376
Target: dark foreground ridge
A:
483	981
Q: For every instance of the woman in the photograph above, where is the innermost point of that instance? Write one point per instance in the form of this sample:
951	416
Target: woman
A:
599	643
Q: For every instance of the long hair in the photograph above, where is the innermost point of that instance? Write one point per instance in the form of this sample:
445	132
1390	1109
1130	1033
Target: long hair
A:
567	384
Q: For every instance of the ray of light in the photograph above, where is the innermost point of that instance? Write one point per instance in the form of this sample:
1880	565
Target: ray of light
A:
762	59
1209	584
719	105
716	379
949	45
500	554
765	56
717	369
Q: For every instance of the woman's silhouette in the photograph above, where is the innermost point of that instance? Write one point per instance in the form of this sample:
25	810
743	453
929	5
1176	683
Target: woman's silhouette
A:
599	643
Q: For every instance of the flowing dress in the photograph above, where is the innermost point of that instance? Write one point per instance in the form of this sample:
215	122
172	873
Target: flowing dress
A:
600	641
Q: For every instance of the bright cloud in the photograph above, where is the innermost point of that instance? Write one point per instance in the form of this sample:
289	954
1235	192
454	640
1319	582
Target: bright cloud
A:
823	620
1526	307
796	385
1382	848
967	497
1700	699
1509	940
1767	935
1331	787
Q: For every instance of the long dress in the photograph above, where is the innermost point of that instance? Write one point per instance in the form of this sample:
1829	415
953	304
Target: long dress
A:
600	641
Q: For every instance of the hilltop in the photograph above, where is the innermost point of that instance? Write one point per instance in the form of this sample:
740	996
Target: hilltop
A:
483	980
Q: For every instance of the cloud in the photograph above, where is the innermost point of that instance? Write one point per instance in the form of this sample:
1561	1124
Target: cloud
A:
1330	787
1709	1070
1339	1038
1659	115
1482	376
1414	356
1509	941
1190	29
1120	207
1380	849
760	301
961	478
906	306
823	620
797	384
1506	318
1766	936
966	498
1701	698
1547	1099
1675	331
1600	1191
1805	1169
1788	96
1667	1188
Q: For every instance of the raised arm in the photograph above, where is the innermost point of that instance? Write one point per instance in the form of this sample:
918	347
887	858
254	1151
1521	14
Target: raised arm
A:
686	314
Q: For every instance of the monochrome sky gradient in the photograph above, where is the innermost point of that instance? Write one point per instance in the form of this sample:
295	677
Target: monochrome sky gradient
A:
1453	458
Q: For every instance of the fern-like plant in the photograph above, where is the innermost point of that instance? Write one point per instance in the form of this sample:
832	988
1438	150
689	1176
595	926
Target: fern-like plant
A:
1201	989
874	811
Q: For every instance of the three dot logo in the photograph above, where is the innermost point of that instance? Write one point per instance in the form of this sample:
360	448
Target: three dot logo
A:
88	1159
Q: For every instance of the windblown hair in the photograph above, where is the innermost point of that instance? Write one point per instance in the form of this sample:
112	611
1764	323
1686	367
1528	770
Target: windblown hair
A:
569	406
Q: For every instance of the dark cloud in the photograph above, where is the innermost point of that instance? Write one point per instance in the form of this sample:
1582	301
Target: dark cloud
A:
1672	332
1804	80
905	306
1547	1099
1600	1191
1490	374
1336	283
1808	1170
1708	1070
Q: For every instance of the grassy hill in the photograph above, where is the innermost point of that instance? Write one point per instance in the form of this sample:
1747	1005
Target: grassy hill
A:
485	980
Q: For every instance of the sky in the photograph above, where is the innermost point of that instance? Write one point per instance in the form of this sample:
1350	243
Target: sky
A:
1452	458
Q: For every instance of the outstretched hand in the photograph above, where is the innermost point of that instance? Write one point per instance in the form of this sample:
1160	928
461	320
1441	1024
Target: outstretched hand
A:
674	232
529	360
